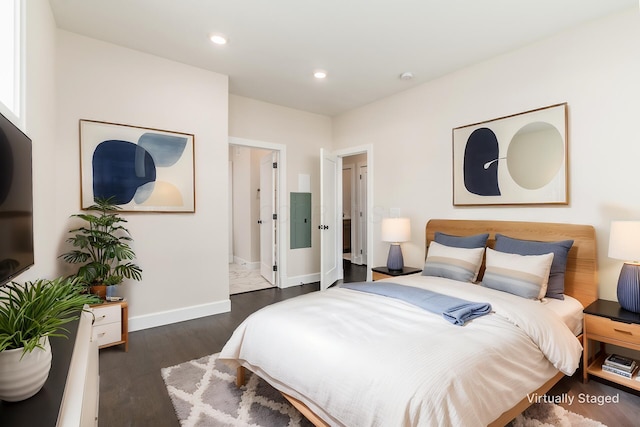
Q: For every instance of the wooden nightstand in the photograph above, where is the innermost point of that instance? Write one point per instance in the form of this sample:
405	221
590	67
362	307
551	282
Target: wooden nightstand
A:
606	322
111	324
379	273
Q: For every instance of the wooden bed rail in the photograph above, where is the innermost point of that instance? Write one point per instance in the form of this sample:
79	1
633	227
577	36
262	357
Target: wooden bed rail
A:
304	409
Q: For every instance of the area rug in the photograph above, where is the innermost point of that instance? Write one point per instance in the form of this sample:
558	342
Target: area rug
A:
552	415
204	394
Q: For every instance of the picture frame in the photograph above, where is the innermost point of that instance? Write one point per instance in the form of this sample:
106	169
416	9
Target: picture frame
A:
138	168
519	159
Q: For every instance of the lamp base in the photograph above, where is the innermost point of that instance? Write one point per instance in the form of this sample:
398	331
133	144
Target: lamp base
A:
629	287
395	260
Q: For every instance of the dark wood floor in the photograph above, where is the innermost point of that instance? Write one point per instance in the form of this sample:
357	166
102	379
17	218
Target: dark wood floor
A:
132	392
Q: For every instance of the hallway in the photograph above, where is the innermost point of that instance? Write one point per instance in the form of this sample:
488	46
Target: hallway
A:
353	272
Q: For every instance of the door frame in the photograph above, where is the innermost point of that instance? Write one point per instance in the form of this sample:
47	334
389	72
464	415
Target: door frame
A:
351	151
281	238
363	237
230	210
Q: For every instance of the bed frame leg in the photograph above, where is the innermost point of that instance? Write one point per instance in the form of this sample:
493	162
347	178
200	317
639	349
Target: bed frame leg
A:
240	376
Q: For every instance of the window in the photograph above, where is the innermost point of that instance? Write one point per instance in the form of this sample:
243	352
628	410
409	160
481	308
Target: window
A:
10	57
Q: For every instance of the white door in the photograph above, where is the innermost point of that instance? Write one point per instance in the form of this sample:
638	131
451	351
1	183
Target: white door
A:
230	212
330	232
267	217
362	214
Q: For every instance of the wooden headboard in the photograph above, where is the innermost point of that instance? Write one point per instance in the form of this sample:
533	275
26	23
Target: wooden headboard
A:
581	277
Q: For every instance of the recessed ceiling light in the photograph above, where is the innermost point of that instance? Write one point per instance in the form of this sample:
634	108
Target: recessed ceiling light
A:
218	39
320	74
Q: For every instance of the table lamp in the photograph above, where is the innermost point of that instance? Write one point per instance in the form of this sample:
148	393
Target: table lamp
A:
396	231
624	244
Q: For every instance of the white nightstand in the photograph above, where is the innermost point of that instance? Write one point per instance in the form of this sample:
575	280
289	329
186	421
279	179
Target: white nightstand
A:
111	325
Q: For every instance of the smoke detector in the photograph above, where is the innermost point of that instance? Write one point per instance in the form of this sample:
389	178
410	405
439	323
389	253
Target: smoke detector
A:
407	75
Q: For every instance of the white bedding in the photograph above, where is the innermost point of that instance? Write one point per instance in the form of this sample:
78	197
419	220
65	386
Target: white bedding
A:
569	310
359	359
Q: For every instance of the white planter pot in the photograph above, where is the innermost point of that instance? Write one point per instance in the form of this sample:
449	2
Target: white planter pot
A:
22	377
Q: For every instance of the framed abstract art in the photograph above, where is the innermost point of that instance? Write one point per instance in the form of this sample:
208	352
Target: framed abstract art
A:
514	160
140	169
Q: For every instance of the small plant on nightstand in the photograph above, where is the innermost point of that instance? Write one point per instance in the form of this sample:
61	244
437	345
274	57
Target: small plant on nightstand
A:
101	245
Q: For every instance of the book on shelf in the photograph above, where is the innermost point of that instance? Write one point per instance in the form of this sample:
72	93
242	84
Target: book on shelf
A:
623	368
620	362
617	371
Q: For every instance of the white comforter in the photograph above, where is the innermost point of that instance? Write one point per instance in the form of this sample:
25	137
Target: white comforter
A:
358	359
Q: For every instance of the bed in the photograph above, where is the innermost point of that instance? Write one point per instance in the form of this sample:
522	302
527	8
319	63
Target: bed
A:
349	358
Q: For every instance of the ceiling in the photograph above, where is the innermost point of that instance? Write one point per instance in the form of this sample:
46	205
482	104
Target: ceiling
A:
364	45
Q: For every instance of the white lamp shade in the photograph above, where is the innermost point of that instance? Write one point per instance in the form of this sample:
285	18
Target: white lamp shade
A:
624	241
396	230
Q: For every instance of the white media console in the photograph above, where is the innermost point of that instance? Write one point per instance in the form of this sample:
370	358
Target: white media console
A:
80	399
69	397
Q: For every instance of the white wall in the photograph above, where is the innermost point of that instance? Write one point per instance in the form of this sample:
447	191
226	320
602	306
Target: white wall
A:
303	134
40	107
594	68
184	260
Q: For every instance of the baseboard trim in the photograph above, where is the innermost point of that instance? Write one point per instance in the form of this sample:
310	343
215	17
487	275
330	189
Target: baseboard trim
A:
251	265
301	280
162	318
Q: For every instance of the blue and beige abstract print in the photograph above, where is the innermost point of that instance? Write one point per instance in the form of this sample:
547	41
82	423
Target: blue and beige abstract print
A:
127	172
517	159
139	169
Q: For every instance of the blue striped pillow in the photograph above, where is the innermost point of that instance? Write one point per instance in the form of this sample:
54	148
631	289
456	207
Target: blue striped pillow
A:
460	264
555	288
523	275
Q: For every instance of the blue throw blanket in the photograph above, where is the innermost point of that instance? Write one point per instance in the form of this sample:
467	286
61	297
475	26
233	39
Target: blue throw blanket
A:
454	310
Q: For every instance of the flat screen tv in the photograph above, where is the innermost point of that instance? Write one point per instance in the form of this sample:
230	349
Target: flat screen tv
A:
16	201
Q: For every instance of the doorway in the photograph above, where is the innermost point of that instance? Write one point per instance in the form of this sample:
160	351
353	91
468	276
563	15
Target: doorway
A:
354	218
256	257
336	232
354	209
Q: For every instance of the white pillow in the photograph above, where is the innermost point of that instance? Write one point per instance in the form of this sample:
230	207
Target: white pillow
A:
523	275
460	264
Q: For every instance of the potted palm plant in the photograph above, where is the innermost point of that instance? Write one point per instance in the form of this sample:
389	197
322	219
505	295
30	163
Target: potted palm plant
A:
30	313
101	245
